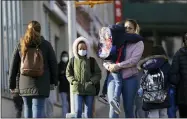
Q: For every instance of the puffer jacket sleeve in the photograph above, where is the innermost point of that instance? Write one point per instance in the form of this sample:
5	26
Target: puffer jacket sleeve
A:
96	76
166	70
14	68
174	71
70	72
53	66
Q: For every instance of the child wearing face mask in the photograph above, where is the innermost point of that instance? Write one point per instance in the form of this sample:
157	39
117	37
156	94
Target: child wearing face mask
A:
82	78
63	83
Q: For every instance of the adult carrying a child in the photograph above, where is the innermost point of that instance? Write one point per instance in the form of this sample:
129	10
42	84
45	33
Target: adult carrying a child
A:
123	74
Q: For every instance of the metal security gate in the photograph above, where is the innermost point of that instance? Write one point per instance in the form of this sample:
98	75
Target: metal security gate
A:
11	30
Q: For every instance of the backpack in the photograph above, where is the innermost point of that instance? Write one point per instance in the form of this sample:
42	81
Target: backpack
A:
112	39
153	87
92	69
32	63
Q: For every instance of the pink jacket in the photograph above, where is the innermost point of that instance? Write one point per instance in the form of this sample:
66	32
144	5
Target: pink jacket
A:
133	55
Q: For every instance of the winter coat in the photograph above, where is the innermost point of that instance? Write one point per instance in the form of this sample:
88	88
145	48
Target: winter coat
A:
179	75
153	63
30	86
80	76
63	82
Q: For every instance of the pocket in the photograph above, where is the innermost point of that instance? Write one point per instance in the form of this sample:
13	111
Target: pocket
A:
75	86
90	88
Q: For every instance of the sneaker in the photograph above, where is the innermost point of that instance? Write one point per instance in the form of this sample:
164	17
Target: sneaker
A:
103	99
115	106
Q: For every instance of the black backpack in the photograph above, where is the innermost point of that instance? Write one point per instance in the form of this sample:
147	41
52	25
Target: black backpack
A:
92	69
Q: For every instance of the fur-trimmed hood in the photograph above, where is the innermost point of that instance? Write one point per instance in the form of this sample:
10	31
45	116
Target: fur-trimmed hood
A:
75	45
152	62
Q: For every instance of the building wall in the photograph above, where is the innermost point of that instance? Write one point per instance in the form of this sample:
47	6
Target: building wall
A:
62	44
105	12
11	32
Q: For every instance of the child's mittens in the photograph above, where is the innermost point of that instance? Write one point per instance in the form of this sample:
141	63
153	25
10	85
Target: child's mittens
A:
106	65
140	92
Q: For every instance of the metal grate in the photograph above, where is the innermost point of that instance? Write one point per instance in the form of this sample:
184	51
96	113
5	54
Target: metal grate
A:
11	33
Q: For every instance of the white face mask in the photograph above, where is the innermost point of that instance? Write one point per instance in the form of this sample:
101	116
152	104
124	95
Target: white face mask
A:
64	59
82	52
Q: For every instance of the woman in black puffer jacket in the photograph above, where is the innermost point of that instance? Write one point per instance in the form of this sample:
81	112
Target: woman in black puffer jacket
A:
179	78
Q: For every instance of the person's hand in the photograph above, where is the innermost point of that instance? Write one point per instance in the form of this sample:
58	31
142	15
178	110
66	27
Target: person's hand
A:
140	92
12	90
52	87
113	67
90	82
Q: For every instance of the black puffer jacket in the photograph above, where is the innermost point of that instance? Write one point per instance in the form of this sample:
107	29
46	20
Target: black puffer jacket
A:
179	75
39	86
63	82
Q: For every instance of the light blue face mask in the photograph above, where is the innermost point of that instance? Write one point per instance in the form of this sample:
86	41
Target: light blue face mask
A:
82	52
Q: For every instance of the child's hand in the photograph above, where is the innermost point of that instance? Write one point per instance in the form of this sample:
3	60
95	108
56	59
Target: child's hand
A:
140	92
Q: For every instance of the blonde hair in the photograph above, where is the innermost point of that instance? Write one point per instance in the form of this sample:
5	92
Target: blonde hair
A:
32	35
135	24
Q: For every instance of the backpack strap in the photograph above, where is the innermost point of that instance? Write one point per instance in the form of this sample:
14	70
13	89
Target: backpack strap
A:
72	64
92	65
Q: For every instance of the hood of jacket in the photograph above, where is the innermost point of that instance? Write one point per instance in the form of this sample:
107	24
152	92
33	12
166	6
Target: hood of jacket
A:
152	62
62	54
75	46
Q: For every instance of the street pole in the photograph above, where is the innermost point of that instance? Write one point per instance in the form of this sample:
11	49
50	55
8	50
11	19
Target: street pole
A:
72	35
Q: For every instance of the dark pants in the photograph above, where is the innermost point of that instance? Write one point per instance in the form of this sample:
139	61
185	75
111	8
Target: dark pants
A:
139	112
104	90
182	111
18	103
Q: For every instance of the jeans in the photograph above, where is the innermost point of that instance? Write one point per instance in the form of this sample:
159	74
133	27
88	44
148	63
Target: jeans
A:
33	106
117	89
65	104
172	110
114	91
89	100
158	113
129	91
48	108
